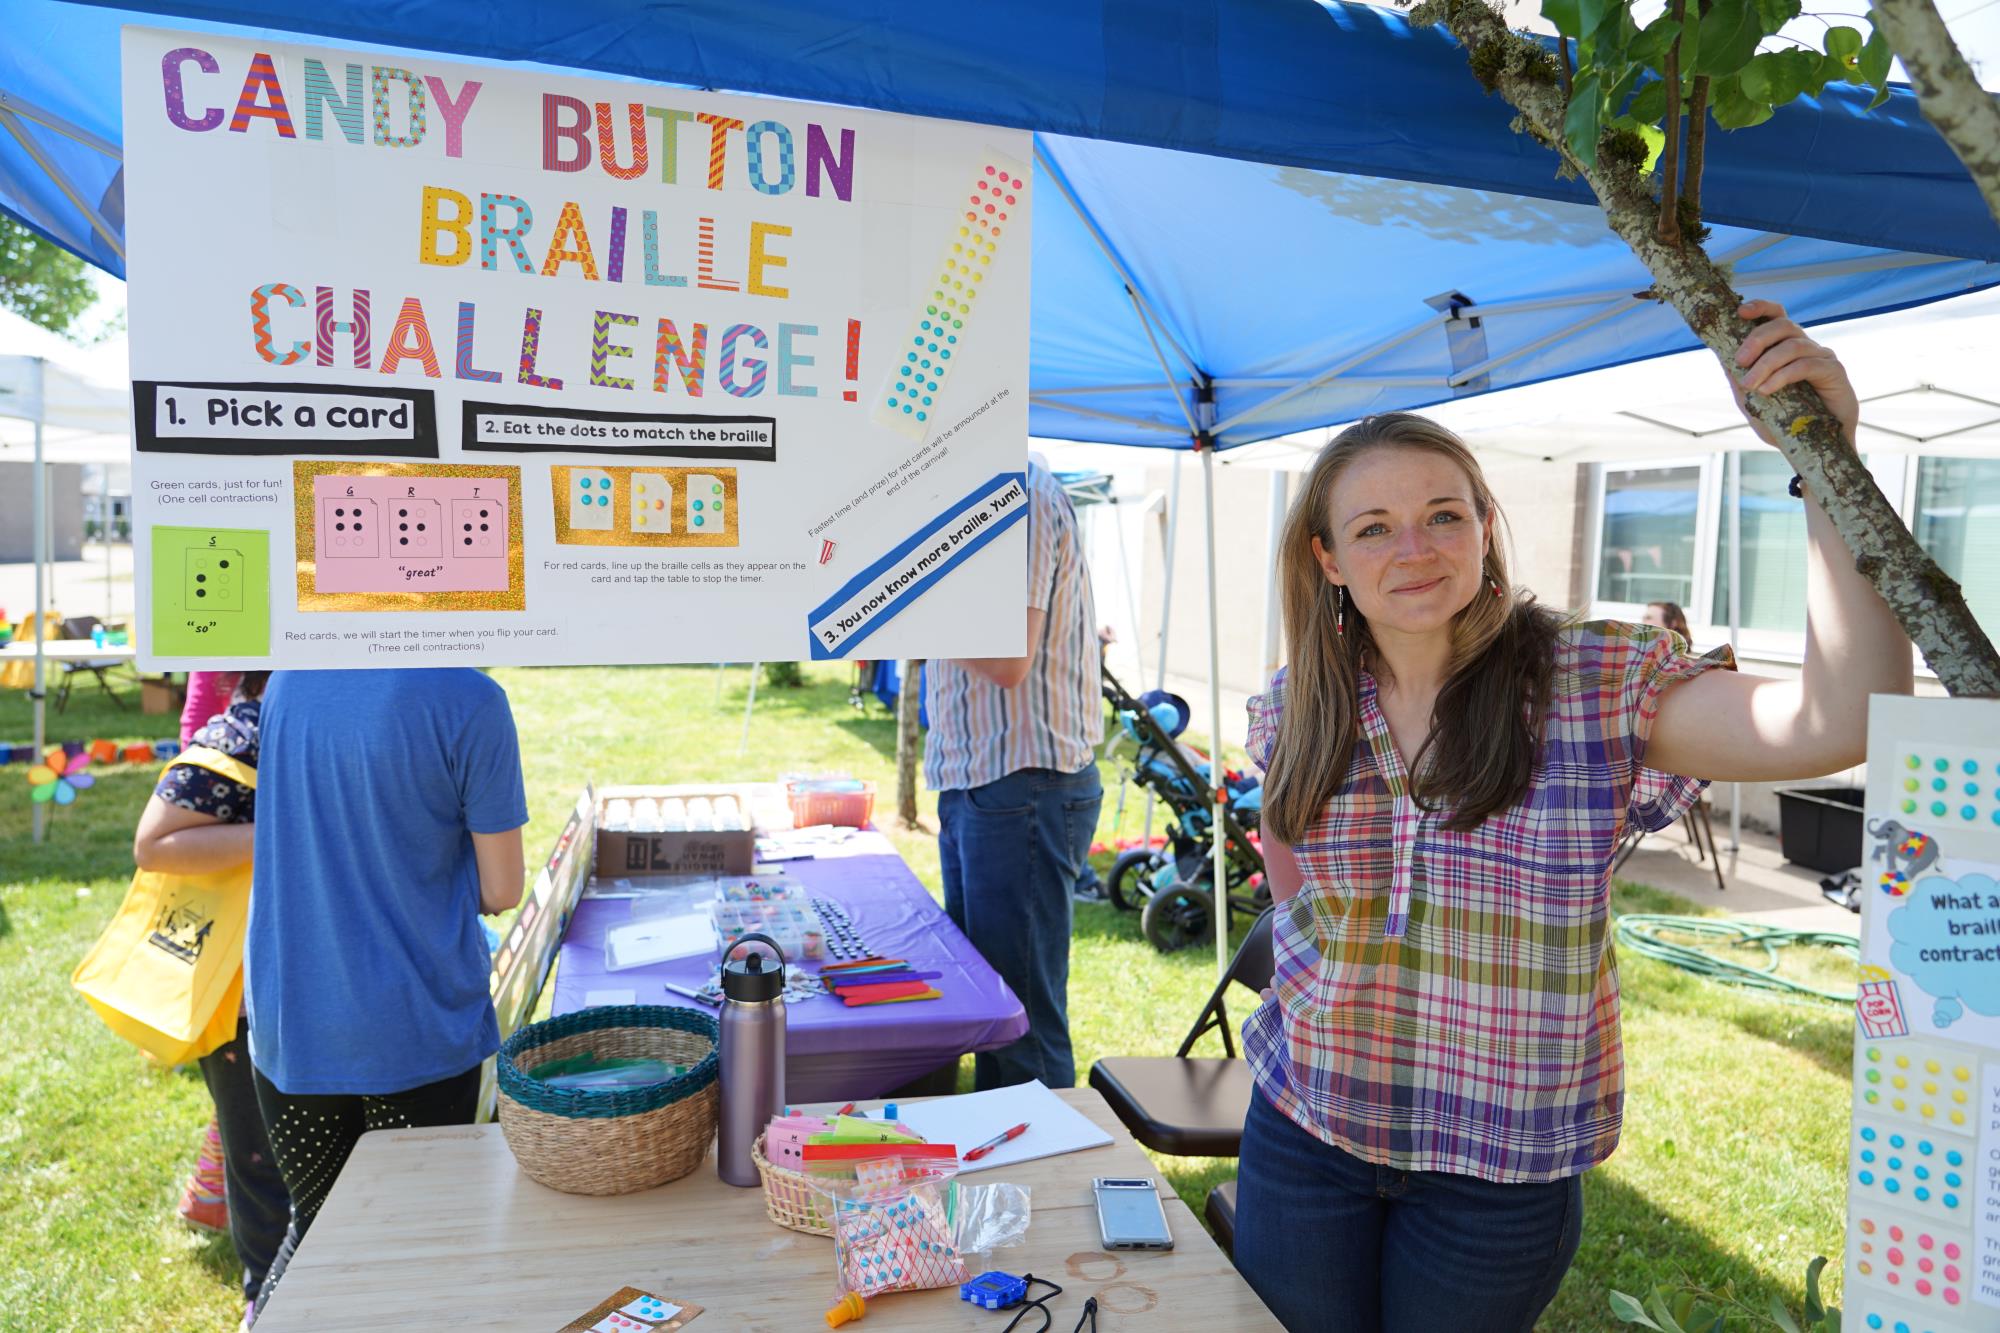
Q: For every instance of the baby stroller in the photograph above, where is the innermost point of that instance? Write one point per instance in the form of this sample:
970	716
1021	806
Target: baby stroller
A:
1173	887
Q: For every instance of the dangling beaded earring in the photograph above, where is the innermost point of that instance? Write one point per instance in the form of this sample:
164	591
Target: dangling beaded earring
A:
1494	584
1340	610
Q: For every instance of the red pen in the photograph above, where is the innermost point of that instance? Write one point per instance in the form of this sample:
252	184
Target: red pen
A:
990	1144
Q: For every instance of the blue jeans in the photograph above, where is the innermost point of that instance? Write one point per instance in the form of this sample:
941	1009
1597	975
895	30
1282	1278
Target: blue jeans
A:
1330	1241
1011	851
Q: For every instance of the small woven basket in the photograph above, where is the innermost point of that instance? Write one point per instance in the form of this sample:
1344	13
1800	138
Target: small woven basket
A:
615	1141
789	1198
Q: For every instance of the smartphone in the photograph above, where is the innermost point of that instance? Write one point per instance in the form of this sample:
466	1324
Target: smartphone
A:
1129	1216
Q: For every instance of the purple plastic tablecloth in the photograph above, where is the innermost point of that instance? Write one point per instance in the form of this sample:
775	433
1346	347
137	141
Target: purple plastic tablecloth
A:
833	1052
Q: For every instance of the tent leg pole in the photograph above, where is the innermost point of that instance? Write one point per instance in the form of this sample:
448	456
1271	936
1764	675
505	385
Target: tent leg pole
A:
104	535
1735	470
1216	782
41	486
1166	603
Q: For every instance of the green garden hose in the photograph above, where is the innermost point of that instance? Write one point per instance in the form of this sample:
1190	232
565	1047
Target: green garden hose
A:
1642	934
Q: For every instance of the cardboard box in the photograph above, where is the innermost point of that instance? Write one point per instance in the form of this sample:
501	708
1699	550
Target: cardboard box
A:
164	695
732	852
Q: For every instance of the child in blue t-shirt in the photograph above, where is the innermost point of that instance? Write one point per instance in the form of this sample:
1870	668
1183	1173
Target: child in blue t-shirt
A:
391	811
200	821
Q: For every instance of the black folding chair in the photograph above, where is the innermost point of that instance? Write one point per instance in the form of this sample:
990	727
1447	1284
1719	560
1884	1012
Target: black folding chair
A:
1220	1210
1192	1106
1699	832
80	627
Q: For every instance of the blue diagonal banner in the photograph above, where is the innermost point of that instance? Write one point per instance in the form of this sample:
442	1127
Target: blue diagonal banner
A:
873	597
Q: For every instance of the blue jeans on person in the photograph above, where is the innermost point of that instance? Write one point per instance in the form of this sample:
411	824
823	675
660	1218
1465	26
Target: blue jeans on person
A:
1332	1242
1010	852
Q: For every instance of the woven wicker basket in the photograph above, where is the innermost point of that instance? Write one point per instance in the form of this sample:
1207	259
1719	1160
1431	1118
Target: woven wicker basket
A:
789	1198
611	1142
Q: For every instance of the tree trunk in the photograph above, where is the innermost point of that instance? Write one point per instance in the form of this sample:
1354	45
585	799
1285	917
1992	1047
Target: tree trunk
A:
1927	603
1950	95
908	700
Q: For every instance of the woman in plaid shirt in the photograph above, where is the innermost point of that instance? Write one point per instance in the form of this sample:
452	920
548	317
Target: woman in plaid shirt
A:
1440	1062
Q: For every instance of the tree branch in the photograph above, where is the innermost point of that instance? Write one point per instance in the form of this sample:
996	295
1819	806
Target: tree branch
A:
1927	603
1562	46
1670	156
1952	100
1697	133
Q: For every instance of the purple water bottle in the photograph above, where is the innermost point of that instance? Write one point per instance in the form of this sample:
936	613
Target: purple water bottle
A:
753	1056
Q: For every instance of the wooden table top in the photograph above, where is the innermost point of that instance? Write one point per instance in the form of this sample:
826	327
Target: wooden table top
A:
439	1228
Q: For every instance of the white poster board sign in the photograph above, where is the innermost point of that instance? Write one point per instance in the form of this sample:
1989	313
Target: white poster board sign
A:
441	363
1923	1201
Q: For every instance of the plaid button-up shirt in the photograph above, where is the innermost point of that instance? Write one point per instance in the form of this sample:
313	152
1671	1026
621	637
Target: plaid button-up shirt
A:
1448	1001
1054	719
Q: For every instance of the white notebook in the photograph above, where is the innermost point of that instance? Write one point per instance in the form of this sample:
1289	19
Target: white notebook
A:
1054	1126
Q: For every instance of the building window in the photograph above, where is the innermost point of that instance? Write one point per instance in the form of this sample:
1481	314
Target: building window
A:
1774	548
1958	521
1648	546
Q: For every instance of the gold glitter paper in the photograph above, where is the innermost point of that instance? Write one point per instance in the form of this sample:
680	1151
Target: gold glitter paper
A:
623	533
513	598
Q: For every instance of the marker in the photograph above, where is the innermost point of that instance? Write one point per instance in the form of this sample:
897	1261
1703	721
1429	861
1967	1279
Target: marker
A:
992	1143
846	1110
696	996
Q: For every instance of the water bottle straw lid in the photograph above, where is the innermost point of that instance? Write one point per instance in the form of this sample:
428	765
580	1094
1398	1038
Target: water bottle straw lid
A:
750	980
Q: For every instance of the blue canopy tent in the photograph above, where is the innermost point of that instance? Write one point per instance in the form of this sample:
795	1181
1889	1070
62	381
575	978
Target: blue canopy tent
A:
1258	216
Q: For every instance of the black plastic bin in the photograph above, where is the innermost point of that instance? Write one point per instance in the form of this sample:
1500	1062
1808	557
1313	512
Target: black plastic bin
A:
1820	827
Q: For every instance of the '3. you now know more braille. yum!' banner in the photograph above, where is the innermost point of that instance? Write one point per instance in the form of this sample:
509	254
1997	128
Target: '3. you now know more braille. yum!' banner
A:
444	363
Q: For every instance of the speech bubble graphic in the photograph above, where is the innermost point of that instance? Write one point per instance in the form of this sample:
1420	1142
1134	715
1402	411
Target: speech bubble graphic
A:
1947	941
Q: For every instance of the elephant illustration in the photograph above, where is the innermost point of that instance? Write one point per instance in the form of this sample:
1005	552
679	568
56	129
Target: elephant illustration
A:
1904	849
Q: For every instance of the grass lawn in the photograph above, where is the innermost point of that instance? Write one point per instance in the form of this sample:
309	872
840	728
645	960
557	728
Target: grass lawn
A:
1731	1169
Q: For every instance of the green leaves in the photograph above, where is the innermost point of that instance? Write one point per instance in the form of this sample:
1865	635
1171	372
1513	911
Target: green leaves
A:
1580	125
1732	108
1565	15
1778	77
1815	1309
1729	37
1650	104
1630	1311
1873	66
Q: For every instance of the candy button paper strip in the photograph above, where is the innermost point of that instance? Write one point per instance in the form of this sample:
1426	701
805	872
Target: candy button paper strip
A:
1930	1174
913	394
1919	1082
1951	786
1925	1266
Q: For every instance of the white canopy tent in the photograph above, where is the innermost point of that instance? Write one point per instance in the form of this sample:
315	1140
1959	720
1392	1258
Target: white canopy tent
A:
58	404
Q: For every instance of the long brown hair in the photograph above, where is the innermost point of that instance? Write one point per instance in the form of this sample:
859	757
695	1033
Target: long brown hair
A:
1480	754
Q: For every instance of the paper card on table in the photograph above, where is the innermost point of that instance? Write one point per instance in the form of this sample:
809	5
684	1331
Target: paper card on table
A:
968	1121
630	1310
593	999
657	939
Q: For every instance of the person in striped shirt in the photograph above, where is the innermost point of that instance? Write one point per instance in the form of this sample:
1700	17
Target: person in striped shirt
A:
1450	768
1011	754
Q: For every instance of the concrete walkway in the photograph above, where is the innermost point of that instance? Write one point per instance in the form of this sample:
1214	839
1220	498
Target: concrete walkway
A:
1762	885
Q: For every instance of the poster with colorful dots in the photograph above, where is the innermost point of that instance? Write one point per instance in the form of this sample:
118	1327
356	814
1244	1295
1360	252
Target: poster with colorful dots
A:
496	365
1923	1242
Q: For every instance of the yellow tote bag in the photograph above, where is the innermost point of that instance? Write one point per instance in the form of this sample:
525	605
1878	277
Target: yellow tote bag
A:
167	974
